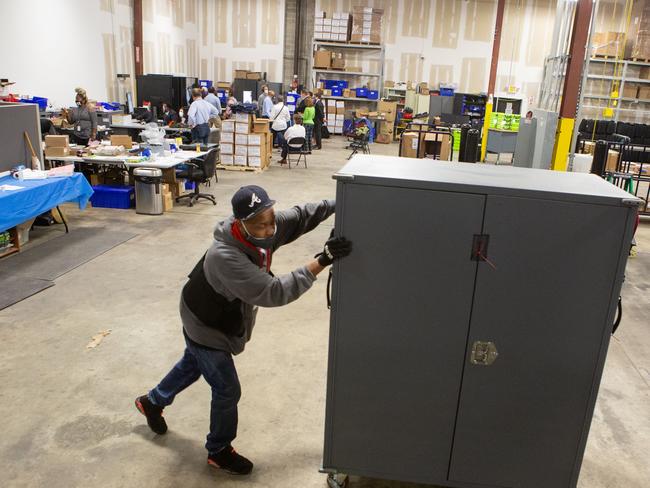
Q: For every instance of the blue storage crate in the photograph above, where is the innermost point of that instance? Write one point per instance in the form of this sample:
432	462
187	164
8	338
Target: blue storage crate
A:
111	106
329	84
40	101
337	92
446	92
361	92
106	196
205	83
373	94
189	185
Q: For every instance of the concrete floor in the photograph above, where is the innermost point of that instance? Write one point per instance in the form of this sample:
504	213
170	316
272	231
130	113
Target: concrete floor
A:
66	413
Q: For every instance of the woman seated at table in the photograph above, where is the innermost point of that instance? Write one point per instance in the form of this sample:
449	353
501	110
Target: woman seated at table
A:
170	117
83	119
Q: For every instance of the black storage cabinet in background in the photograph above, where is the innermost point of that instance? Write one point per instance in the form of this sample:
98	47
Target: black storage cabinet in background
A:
470	325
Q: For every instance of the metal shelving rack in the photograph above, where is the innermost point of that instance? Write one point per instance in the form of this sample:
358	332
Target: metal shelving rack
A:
618	110
395	95
347	46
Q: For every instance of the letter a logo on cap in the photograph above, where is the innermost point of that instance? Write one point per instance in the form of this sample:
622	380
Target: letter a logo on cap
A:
254	199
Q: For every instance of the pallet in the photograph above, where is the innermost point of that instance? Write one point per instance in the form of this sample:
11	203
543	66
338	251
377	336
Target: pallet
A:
639	60
248	169
365	43
605	57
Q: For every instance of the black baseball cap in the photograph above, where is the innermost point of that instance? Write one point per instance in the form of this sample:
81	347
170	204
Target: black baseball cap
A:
250	200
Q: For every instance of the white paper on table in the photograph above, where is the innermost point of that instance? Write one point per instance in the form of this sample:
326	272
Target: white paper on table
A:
247	97
59	171
10	187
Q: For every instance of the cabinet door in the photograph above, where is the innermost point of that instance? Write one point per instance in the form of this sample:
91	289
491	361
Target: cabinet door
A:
401	306
545	307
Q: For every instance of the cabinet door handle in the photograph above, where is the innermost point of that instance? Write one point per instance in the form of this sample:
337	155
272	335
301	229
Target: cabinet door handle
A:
483	353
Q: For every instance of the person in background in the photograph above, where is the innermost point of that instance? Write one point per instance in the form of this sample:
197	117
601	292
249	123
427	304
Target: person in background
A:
268	105
170	117
182	114
213	99
308	116
296	130
319	119
262	97
529	114
300	103
198	116
280	117
232	101
83	119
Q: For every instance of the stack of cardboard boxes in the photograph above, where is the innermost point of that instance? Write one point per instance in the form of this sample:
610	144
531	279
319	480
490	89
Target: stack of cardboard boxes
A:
335	116
366	25
608	44
336	28
57	146
246	141
433	145
387	110
244	74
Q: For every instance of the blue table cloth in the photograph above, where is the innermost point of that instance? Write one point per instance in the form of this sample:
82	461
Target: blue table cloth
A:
38	196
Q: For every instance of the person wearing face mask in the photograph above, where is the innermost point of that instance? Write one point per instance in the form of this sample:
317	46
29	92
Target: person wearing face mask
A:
83	119
262	97
219	306
170	117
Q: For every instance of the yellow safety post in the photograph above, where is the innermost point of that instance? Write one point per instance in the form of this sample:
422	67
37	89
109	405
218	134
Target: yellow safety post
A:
562	143
486	126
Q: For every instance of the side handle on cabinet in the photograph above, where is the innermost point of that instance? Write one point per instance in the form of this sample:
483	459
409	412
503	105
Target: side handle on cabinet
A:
328	291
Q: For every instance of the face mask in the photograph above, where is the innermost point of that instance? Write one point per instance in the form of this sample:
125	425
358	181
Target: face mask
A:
78	103
263	242
181	113
266	92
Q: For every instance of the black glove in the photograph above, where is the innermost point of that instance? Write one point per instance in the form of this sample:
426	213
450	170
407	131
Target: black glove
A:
335	248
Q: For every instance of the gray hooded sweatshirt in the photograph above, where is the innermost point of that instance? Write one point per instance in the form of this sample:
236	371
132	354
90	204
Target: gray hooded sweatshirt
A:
231	272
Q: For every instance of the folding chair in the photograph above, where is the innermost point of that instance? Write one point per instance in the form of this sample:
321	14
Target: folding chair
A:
297	146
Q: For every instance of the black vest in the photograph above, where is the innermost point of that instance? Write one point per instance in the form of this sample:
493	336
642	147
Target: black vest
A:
211	308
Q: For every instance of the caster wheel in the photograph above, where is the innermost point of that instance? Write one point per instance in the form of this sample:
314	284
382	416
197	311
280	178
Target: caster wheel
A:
337	480
191	204
214	203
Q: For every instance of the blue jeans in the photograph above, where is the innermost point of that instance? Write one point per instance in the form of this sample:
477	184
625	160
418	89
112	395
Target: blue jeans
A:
200	133
218	369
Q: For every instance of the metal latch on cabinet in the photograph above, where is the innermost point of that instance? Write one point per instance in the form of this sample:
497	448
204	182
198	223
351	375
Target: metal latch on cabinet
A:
480	249
483	353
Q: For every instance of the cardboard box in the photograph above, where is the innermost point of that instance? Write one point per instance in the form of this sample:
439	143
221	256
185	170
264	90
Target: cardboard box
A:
121	140
226	159
256	150
608	43
255	161
241	150
630	91
589	147
223	84
644	93
435	145
612	160
261	126
331	103
240	160
254	75
322	59
168	201
340	104
241	139
57	141
347	93
255	139
409	144
388	109
57	152
227	137
384	138
240	73
338	62
423	88
227	148
228	126
389	84
242	127
243	117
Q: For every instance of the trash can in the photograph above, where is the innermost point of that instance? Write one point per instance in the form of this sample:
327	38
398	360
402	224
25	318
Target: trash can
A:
148	191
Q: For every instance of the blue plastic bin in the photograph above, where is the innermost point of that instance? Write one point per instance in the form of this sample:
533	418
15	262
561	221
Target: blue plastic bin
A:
41	102
337	92
361	92
205	83
189	185
329	84
106	196
373	94
110	105
446	92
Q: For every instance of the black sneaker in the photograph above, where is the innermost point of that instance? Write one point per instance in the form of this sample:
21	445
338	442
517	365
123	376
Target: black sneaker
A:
231	462
155	420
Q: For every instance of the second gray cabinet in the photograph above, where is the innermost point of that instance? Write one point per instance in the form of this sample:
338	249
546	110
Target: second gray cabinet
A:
469	327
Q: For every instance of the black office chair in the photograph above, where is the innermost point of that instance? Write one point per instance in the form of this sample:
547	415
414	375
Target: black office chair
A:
297	145
200	171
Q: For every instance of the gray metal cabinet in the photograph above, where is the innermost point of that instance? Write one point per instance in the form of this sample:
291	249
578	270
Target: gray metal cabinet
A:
416	315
